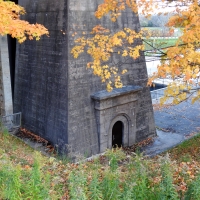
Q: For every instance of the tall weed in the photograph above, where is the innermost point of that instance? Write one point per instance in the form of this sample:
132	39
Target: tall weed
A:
138	185
10	182
167	190
193	191
37	186
95	188
77	185
114	156
110	185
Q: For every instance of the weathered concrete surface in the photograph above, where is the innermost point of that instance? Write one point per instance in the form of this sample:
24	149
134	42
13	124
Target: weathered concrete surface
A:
175	124
53	90
110	107
6	106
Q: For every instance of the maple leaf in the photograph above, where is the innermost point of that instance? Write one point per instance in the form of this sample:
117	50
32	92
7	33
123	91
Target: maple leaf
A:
10	23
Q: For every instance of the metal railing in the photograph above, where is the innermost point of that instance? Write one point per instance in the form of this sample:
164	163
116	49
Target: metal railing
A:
157	94
11	121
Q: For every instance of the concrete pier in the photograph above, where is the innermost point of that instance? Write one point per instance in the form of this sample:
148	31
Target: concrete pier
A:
6	104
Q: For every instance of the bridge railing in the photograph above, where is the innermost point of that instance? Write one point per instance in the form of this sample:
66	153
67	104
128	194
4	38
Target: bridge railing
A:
157	94
11	121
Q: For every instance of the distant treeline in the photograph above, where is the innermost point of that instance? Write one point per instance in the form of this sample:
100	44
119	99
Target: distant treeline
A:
154	20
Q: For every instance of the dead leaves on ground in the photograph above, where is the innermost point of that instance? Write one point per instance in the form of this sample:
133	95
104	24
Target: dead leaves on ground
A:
159	107
24	133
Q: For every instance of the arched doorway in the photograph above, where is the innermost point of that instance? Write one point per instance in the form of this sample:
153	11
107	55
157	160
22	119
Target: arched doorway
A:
117	134
124	127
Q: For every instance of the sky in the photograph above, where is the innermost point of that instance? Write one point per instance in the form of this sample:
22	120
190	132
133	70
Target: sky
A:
165	7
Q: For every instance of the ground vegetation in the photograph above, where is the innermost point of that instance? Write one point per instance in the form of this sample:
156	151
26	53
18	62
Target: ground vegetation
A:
118	174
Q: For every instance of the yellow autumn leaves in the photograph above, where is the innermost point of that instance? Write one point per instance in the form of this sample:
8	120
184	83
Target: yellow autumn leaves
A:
102	46
115	7
175	91
181	63
11	24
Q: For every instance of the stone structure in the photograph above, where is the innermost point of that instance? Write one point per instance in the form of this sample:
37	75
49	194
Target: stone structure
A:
61	100
6	105
111	107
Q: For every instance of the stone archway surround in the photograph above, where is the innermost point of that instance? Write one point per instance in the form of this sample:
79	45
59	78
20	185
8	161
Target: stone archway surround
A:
110	107
125	134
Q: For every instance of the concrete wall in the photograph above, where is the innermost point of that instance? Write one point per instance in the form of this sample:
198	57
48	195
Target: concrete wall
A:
41	87
53	90
6	105
82	84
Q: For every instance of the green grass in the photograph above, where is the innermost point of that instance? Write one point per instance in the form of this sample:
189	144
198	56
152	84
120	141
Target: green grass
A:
160	43
188	149
152	44
26	174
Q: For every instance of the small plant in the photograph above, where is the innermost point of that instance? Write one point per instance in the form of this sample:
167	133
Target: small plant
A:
139	184
114	156
10	182
95	188
193	192
5	135
111	185
186	158
77	184
37	186
167	190
127	192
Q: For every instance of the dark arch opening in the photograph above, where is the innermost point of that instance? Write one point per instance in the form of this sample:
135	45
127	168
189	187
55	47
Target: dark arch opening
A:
117	133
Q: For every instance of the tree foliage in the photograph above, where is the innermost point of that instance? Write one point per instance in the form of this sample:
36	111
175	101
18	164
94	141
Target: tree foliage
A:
104	46
181	62
10	23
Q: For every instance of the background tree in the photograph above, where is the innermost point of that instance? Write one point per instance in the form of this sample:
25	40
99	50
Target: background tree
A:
10	23
180	62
